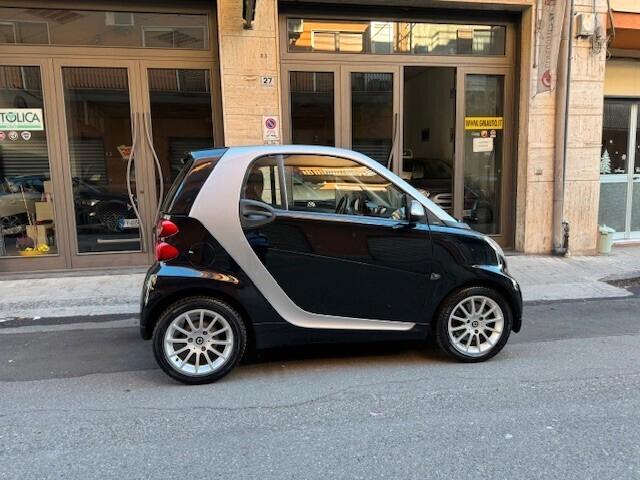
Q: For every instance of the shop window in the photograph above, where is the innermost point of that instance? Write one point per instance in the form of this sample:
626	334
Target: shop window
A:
27	226
395	37
619	206
615	137
49	26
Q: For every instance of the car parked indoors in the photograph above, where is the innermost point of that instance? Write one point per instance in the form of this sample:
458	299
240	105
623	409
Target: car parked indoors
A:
278	245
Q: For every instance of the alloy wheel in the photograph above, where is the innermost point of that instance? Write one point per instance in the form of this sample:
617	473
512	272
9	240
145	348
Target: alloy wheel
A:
198	342
475	325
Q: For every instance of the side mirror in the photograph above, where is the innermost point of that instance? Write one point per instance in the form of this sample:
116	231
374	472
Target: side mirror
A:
417	214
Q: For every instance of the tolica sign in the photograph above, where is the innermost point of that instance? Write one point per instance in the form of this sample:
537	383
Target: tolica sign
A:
21	119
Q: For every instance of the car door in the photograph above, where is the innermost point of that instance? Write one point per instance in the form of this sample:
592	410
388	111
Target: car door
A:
339	242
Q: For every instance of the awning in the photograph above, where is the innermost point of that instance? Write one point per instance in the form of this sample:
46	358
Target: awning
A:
627	28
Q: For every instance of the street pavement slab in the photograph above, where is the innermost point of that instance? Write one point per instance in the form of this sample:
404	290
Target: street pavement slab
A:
560	401
114	292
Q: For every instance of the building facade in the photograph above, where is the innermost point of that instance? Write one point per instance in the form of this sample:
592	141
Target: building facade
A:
100	100
620	154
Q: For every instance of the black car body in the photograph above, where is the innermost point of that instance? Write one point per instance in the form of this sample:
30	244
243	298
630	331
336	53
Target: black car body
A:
380	261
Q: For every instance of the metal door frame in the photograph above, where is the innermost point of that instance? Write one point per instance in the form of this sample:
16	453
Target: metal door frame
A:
145	115
285	86
142	167
630	178
56	260
506	234
346	106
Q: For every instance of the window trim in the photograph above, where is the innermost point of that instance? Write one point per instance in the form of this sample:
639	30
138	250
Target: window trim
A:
340	217
287	212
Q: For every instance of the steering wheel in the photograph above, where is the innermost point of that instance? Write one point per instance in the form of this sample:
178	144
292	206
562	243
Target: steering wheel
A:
352	204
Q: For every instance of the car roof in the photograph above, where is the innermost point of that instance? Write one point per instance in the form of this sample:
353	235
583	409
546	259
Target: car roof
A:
285	150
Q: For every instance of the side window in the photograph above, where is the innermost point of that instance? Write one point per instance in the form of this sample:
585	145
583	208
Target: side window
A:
326	184
262	182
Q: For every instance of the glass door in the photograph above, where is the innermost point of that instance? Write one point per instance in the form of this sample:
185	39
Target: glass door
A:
177	118
370	109
106	175
313	106
428	126
32	227
483	195
620	169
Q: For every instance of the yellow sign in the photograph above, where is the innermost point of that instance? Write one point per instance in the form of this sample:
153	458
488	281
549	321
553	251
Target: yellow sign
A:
483	123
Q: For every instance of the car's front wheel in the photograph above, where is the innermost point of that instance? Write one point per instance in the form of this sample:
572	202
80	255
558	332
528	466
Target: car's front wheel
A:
473	324
199	340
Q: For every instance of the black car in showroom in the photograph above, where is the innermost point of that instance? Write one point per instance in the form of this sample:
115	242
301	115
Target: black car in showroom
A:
279	245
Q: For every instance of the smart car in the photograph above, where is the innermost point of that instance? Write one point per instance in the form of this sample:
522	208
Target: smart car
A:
276	245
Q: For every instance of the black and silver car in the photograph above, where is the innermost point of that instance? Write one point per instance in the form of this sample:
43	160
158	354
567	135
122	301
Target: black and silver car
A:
279	245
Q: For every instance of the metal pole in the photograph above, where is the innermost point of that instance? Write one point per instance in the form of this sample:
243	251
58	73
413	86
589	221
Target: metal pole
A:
563	90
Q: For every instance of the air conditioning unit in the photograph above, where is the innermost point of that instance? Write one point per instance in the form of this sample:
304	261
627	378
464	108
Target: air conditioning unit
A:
119	19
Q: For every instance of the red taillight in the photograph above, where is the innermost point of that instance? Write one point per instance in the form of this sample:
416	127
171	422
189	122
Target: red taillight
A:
165	252
166	228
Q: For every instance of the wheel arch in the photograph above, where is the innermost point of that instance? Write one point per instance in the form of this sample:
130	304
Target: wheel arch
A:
154	314
510	298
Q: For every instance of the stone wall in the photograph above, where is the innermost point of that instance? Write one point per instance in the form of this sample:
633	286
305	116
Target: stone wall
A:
537	143
245	56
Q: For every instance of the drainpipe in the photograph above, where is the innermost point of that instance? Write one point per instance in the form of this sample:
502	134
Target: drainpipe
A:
563	89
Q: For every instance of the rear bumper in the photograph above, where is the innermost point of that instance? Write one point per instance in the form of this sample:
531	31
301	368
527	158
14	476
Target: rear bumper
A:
148	299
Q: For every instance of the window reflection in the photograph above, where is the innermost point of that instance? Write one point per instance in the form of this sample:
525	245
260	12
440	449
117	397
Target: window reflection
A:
312	110
372	114
48	26
99	135
483	150
383	37
181	116
614	156
341	186
27	225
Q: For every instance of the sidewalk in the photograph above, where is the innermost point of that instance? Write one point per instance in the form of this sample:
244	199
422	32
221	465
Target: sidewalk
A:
109	293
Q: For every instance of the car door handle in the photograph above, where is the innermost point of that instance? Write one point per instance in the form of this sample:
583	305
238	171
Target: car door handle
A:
254	214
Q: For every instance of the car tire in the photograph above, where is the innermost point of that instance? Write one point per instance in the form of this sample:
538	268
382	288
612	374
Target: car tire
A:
199	340
473	324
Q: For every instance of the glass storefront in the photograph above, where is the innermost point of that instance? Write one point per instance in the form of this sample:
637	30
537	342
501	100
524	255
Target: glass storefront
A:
83	188
437	123
620	168
27	225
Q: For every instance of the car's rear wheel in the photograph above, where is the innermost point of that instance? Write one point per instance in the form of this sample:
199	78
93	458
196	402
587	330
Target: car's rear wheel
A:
199	340
473	324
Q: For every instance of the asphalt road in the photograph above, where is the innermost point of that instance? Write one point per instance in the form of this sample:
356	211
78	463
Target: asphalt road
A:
81	401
